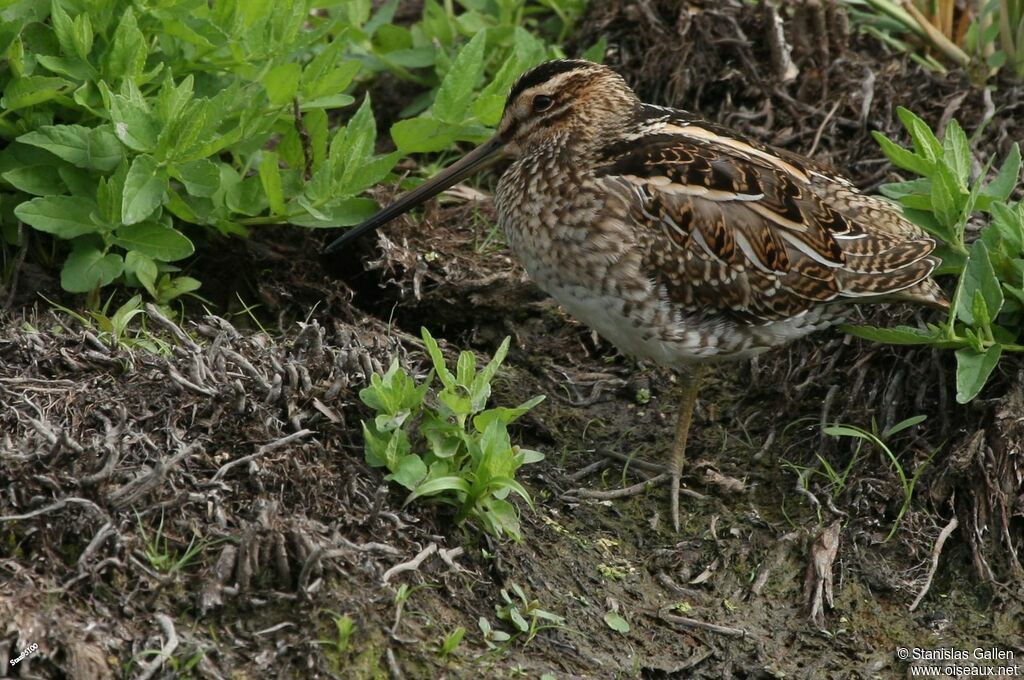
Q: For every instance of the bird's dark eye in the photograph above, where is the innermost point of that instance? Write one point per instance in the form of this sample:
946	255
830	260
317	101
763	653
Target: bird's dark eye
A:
542	102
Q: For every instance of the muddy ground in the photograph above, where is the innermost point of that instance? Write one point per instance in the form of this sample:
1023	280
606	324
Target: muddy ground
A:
241	439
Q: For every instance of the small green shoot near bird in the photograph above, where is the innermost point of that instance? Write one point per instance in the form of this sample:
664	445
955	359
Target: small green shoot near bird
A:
879	441
446	444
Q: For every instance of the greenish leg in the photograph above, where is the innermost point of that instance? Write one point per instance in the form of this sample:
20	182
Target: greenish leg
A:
690	386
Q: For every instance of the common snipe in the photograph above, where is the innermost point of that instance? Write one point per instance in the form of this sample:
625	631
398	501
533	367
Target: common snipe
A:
678	240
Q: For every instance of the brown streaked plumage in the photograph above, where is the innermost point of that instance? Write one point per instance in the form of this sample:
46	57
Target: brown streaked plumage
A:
676	239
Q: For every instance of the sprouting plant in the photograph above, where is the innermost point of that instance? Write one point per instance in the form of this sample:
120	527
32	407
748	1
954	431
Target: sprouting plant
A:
879	440
492	636
161	556
451	448
451	642
986	317
344	627
525	614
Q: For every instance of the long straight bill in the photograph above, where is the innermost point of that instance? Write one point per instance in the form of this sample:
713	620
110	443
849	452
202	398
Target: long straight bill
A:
472	162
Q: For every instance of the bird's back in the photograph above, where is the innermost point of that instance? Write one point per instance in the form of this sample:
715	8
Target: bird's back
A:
678	239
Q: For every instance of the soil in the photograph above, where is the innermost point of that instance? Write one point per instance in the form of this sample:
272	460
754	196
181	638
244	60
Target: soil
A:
205	510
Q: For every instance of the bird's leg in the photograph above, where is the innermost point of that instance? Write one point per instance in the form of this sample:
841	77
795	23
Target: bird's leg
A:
690	386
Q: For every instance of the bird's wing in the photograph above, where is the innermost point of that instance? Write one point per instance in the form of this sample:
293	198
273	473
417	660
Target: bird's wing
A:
729	225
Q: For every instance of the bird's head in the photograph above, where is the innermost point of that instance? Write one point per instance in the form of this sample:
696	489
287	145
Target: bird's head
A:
572	100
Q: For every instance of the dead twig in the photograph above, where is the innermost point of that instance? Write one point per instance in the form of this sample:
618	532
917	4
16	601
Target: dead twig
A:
939	542
818	579
411	565
262	451
625	492
53	507
687	622
166	651
127	495
157	317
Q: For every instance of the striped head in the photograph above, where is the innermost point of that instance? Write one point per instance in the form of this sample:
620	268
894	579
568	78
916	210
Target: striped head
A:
570	102
571	99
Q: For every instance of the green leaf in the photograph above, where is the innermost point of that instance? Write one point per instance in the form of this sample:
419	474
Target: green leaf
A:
1008	222
331	83
21	93
63	27
900	335
903	158
409	471
126	57
144	189
343	213
169	289
502	516
978	276
144	269
270	178
134	122
982	319
63	216
595	52
282	83
1000	188
82	36
422	135
925	142
440	367
87	268
616	622
155	240
973	370
904	425
957	152
946	200
95	148
455	95
439	485
353	146
200	177
38	180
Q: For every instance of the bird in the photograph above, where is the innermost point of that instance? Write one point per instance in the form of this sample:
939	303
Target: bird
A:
678	240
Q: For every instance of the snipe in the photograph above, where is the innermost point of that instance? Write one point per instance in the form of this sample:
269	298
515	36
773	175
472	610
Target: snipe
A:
678	240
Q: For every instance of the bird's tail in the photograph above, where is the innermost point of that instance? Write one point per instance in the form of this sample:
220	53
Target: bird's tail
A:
925	292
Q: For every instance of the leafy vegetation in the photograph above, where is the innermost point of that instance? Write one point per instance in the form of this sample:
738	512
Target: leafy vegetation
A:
134	132
879	440
986	317
449	447
524	614
982	37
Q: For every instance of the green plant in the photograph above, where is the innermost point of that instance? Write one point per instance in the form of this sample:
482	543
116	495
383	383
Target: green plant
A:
161	556
986	317
344	627
981	37
616	622
451	449
124	123
115	328
878	439
525	614
135	132
451	642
